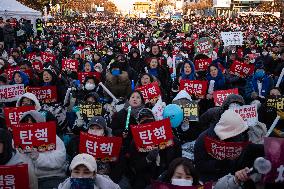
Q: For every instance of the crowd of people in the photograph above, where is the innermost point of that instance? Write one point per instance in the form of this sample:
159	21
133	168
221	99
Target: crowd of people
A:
123	54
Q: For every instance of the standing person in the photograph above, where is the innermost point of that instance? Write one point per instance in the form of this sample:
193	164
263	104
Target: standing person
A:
9	35
84	175
39	27
1	30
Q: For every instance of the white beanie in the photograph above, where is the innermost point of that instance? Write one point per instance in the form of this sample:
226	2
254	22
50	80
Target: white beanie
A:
230	124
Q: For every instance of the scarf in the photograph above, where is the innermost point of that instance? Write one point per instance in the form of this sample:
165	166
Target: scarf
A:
82	183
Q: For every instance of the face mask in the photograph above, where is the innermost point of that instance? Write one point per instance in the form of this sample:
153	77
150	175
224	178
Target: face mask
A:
166	55
252	61
253	51
181	182
264	53
90	86
148	50
115	72
259	74
96	132
82	183
234	105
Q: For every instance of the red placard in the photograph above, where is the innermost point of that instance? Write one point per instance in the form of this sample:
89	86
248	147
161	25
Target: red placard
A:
31	56
150	91
223	150
221	95
241	69
37	65
47	57
102	148
162	185
82	76
10	93
35	136
14	114
194	87
45	94
153	135
274	152
70	64
202	64
14	176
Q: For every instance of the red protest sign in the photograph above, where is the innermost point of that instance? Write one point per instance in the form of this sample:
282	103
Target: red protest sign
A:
82	76
14	176
37	65
10	93
70	64
223	150
47	57
163	185
45	94
31	56
202	64
14	114
152	135
150	91
241	69
35	136
194	87
102	148
274	152
221	95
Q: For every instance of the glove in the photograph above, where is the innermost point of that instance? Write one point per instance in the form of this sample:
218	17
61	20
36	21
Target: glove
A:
152	155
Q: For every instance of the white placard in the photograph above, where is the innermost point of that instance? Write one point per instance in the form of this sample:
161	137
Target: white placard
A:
232	38
248	113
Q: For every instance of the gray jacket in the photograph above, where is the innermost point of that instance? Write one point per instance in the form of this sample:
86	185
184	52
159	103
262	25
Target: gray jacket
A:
17	159
102	182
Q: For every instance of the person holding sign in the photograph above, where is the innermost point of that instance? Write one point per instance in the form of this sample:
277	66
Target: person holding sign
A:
49	165
11	156
84	175
231	128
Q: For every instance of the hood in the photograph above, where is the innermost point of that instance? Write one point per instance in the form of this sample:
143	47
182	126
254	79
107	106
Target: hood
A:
232	98
29	96
182	94
230	124
24	77
37	116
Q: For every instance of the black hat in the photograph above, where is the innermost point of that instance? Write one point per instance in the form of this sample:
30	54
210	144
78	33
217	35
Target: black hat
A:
145	113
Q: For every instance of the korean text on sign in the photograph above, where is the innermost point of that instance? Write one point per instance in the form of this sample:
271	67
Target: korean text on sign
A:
202	64
35	136
14	114
45	94
102	148
194	87
90	109
150	91
14	177
248	113
232	38
190	111
221	150
241	69
221	95
153	135
277	103
82	76
10	93
70	64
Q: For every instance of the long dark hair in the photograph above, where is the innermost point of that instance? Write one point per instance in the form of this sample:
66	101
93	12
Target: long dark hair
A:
188	168
141	95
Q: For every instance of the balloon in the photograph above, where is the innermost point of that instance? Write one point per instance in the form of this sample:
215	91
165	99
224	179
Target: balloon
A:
175	113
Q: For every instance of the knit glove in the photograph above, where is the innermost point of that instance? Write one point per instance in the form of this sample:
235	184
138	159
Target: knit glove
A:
152	155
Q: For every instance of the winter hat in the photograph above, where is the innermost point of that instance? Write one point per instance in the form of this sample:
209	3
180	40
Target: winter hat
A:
232	98
99	121
230	124
30	96
77	52
84	159
36	115
182	94
145	113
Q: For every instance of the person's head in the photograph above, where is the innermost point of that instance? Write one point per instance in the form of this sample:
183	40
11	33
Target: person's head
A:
115	69
187	69
6	147
259	73
32	116
155	50
145	115
232	101
28	99
92	97
146	79
213	70
47	76
182	172
97	126
231	127
88	67
97	57
135	99
18	78
154	62
83	166
90	83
